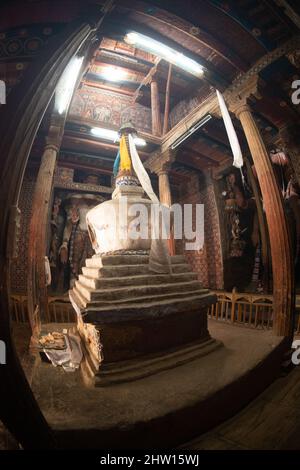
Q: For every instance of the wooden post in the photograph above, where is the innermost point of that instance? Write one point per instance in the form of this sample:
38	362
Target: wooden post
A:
36	283
167	102
155	109
166	198
283	277
161	164
164	187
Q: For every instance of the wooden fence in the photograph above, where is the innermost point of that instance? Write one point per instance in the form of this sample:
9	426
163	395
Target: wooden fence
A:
250	310
59	310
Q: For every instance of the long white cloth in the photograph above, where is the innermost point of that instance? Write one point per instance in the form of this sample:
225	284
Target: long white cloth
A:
234	143
159	259
69	358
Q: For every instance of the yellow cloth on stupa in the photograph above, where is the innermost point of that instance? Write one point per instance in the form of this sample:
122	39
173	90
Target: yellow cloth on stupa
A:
125	161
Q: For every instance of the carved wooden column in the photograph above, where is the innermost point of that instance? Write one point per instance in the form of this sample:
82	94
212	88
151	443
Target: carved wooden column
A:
164	186
283	279
36	285
167	102
155	109
161	164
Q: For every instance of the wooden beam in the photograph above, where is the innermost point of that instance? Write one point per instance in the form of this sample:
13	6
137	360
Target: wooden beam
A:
155	108
151	139
146	81
102	86
203	37
78	143
198	155
209	106
167	101
119	27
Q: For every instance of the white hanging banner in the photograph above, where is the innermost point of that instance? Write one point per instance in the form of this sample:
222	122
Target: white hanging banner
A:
159	259
234	143
141	173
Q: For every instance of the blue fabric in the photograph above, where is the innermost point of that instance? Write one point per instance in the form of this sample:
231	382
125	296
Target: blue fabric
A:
117	164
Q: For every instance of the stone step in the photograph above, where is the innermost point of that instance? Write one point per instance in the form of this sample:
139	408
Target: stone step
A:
108	283
135	291
98	261
138	311
136	299
127	270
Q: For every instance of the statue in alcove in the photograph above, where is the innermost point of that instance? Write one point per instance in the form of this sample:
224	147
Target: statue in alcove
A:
76	245
243	239
70	243
290	189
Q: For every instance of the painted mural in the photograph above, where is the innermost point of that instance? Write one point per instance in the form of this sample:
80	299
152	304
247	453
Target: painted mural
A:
109	108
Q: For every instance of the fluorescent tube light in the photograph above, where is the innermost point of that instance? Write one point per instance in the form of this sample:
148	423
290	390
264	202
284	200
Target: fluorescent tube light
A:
65	87
106	134
191	131
165	52
113	136
139	142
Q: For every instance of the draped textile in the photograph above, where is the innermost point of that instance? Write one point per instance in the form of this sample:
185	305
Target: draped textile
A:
234	143
159	259
125	162
116	164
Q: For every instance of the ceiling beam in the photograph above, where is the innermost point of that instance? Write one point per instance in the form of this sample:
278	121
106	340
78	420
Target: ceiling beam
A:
119	25
193	152
201	36
151	139
102	86
72	142
146	80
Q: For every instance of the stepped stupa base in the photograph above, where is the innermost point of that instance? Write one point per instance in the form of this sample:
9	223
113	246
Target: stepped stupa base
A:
134	322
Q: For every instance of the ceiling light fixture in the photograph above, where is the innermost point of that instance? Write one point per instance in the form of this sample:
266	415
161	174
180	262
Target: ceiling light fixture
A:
191	131
114	74
113	136
165	52
65	87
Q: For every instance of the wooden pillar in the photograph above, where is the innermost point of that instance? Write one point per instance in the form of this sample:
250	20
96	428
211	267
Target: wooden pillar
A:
167	102
38	228
283	277
165	198
155	109
164	187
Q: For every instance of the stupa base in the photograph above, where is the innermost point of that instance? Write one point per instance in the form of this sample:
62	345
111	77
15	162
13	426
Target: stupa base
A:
134	322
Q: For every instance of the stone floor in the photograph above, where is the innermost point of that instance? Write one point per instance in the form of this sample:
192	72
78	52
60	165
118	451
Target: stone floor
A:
271	421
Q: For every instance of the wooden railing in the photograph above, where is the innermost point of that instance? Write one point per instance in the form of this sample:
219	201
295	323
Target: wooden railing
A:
59	309
251	310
